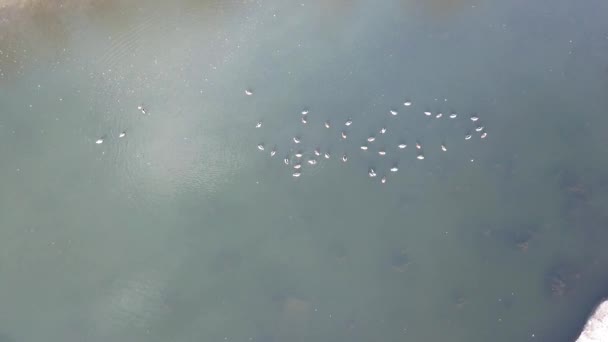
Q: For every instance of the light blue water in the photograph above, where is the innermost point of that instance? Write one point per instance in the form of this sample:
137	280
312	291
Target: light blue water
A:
182	230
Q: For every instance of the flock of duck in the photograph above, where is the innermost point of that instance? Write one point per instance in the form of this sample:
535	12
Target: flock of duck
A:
297	157
122	134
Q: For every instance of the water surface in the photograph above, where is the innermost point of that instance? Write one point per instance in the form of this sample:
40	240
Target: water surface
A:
182	230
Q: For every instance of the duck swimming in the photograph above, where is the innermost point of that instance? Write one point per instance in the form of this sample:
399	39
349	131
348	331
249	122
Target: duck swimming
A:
315	148
142	109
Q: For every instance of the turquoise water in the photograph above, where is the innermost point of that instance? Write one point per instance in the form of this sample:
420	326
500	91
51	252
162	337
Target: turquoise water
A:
183	231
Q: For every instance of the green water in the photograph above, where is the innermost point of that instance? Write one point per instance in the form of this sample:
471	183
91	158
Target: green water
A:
183	231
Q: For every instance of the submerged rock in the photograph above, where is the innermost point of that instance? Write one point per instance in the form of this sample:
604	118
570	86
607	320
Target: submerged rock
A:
399	261
264	338
226	260
515	236
522	240
338	251
459	299
576	197
294	306
295	318
561	280
574	185
557	285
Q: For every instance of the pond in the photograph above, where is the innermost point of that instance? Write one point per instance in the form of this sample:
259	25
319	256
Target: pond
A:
333	170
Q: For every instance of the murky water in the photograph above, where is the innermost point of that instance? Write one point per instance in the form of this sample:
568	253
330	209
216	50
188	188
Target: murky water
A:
182	230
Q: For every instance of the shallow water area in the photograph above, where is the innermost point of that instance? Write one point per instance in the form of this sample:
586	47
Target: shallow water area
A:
137	206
